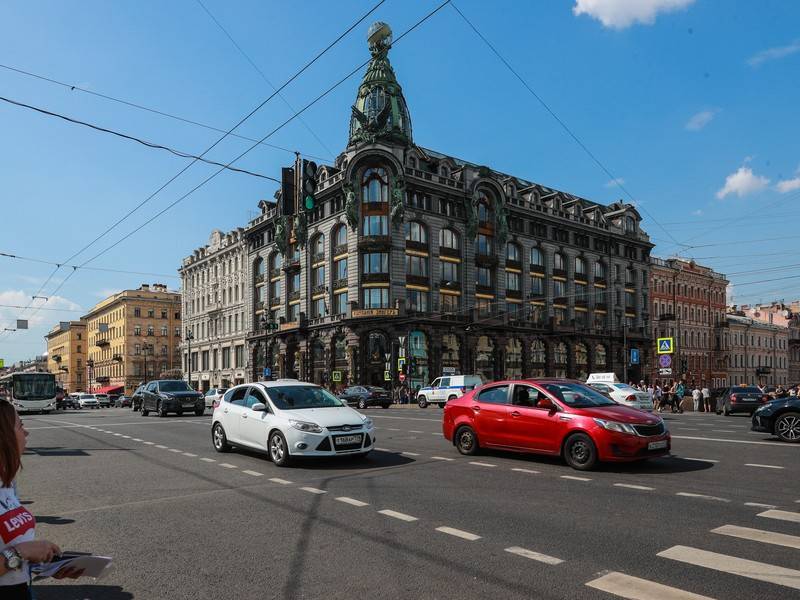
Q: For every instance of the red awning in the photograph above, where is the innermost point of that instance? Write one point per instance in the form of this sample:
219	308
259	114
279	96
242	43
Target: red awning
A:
109	389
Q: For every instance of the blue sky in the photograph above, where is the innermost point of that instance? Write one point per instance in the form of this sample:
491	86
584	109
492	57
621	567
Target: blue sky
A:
693	104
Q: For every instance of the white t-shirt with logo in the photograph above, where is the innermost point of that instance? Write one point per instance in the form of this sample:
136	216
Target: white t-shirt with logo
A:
16	525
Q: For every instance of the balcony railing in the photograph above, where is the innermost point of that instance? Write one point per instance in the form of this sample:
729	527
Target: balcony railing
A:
339	250
294	296
452	252
417	279
274	273
513	264
339	284
419	246
259	278
104	342
317	258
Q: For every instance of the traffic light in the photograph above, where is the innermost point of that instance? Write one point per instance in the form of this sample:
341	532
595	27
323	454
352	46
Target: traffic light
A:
412	365
308	185
684	365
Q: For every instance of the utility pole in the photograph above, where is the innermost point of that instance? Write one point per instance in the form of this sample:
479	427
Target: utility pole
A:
189	338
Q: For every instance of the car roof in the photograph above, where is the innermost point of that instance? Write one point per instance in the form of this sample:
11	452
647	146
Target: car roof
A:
281	382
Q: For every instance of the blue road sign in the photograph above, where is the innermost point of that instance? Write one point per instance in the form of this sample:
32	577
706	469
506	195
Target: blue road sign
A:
634	356
267	372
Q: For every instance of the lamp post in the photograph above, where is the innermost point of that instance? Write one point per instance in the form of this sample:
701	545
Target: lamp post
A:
262	322
189	338
145	349
90	372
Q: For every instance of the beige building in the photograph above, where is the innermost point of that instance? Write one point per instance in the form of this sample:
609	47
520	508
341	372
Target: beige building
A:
133	336
758	352
66	355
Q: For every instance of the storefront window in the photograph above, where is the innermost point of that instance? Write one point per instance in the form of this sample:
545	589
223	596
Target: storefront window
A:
513	366
560	359
484	358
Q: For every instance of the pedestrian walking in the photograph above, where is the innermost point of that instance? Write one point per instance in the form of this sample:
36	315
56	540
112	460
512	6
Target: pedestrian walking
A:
658	397
697	397
706	399
403	394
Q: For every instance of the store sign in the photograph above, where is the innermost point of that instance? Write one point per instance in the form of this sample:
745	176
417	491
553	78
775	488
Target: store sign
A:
362	313
336	376
448	370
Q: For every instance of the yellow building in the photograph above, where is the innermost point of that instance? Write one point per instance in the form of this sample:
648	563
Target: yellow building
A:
133	336
66	355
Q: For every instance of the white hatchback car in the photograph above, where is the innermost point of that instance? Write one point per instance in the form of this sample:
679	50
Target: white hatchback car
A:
289	418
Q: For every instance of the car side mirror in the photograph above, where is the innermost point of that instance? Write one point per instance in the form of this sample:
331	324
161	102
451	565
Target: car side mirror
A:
259	407
546	404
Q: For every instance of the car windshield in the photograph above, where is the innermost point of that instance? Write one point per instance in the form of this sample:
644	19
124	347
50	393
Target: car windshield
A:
578	395
294	397
174	386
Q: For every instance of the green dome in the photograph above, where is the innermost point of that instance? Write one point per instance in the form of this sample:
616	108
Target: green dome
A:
380	111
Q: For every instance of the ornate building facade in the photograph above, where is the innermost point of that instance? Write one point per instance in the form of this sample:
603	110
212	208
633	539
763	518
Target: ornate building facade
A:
66	354
457	266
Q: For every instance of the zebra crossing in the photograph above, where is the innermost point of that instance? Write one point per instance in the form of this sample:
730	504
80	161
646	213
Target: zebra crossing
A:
781	579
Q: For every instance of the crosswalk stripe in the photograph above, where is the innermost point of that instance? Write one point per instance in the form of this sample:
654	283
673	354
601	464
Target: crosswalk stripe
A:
734	565
538	556
782	515
757	535
634	588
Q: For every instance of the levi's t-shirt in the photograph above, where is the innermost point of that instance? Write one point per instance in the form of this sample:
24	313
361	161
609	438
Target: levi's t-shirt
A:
16	525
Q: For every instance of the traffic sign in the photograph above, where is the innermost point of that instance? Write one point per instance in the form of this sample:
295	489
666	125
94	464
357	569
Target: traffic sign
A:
634	356
401	364
402	377
336	376
665	371
665	360
2	363
665	345
267	372
387	376
387	357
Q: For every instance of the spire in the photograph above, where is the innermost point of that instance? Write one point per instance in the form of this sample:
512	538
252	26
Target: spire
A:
380	110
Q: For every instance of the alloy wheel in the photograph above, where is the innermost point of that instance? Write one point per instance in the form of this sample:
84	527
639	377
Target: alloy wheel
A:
218	437
788	428
276	449
466	440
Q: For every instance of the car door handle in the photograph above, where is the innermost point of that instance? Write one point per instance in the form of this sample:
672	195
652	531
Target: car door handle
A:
515	414
225	411
476	408
244	415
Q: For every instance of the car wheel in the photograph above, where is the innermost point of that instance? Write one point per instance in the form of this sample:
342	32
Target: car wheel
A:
451	398
422	402
726	412
145	412
580	452
385	405
787	427
180	413
219	439
278	451
162	412
199	412
362	404
466	441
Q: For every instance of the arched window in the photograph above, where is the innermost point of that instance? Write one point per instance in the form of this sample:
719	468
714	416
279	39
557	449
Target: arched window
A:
374	186
581	361
537	258
630	224
599	357
558	262
513	253
560	359
449	239
513	366
275	263
339	239
600	271
580	266
538	358
484	358
485	212
258	268
416	232
412	162
318	247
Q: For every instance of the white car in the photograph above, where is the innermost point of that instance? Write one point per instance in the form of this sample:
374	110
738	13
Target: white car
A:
622	393
88	401
446	388
287	419
214	394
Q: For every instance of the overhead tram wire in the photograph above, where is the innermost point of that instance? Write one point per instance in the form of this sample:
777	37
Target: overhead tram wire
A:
563	124
132	138
103	269
264	77
226	134
155	111
290	119
43	308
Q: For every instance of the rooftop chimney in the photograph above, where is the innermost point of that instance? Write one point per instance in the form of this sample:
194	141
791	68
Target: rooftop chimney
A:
145	287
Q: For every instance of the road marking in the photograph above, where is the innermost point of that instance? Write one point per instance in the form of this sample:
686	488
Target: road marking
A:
627	586
757	535
279	480
759	505
407	418
782	515
127	437
707	439
703	496
521	470
708	460
409	453
162	447
175	450
384	449
397	515
441	458
464	535
253	473
136	440
762	466
149	443
734	565
228	466
313	490
634	487
206	459
117	434
190	454
725	431
550	560
391	429
352	501
415	431
482	464
574	478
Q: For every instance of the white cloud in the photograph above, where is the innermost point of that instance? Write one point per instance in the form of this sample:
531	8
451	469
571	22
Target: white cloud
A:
742	183
789	185
614	182
619	14
697	213
46	318
106	292
775	53
701	119
730	293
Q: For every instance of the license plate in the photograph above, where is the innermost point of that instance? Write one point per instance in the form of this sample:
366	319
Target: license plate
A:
344	440
657	445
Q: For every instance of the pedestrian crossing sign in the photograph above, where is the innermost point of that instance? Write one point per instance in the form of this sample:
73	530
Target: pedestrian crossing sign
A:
665	345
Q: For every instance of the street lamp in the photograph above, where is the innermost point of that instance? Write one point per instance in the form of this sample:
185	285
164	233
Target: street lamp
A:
145	349
189	338
90	369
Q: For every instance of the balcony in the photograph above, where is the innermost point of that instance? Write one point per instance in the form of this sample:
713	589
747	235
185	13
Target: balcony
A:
513	264
374	242
418	246
338	284
339	250
417	279
102	343
274	301
319	289
537	269
292	264
484	289
559	273
259	305
374	278
516	294
450	285
452	252
294	296
274	273
486	260
318	258
259	278
560	300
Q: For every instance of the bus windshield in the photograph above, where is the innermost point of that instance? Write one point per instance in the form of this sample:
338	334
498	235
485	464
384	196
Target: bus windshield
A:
34	386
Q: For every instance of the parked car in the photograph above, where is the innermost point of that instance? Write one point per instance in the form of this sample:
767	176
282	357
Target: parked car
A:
366	395
103	400
446	388
608	384
136	398
214	394
742	398
88	401
288	419
70	401
164	396
780	417
122	401
556	417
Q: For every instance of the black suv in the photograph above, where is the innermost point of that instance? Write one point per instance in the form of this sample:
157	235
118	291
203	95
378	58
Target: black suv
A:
164	396
779	417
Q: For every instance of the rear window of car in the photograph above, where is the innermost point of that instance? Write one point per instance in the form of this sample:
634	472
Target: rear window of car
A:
746	390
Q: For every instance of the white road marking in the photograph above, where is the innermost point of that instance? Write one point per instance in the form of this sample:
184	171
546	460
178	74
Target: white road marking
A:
313	490
279	480
162	447
574	478
398	515
633	487
634	588
521	470
127	437
550	560
410	453
209	460
228	466
725	430
464	535
391	429
441	458
175	450
703	496
708	460
117	434
415	431
352	501
384	449
781	515
763	466
136	440
482	464
757	535
759	505
734	565
253	473
707	439
149	443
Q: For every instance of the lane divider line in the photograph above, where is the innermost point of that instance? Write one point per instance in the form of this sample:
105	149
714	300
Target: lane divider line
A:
464	535
149	443
410	453
521	470
632	486
538	556
481	464
313	490
759	505
575	478
176	450
253	473
634	588
279	480
702	496
208	460
708	460
228	466
398	515
352	501
162	446
442	458
762	466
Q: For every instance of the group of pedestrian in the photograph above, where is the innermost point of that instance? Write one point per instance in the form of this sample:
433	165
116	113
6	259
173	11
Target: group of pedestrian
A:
668	396
405	394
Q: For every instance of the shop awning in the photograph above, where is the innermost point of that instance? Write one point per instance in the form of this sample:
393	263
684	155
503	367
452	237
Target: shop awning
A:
109	389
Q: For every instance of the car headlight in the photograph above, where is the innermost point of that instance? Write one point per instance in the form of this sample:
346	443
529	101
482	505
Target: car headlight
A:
305	426
616	426
166	395
367	421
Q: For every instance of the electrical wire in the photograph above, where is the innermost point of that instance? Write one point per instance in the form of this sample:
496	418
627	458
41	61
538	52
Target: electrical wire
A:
43	308
106	270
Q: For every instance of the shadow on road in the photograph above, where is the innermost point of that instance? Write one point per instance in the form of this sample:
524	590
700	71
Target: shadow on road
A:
374	460
56	451
80	592
49	520
654	466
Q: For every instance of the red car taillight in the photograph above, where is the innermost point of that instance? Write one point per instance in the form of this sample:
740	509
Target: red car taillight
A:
631	398
765	398
733	397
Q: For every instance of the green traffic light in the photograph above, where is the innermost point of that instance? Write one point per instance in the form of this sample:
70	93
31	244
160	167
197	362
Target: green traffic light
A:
309	202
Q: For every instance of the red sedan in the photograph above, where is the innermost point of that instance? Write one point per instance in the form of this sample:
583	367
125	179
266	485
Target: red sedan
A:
553	416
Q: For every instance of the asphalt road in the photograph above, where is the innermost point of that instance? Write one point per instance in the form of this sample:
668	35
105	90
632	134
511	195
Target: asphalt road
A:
719	519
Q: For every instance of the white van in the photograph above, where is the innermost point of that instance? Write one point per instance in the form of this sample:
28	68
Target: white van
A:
622	393
447	388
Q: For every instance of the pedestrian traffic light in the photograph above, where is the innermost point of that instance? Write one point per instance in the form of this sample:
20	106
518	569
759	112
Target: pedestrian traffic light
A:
308	186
